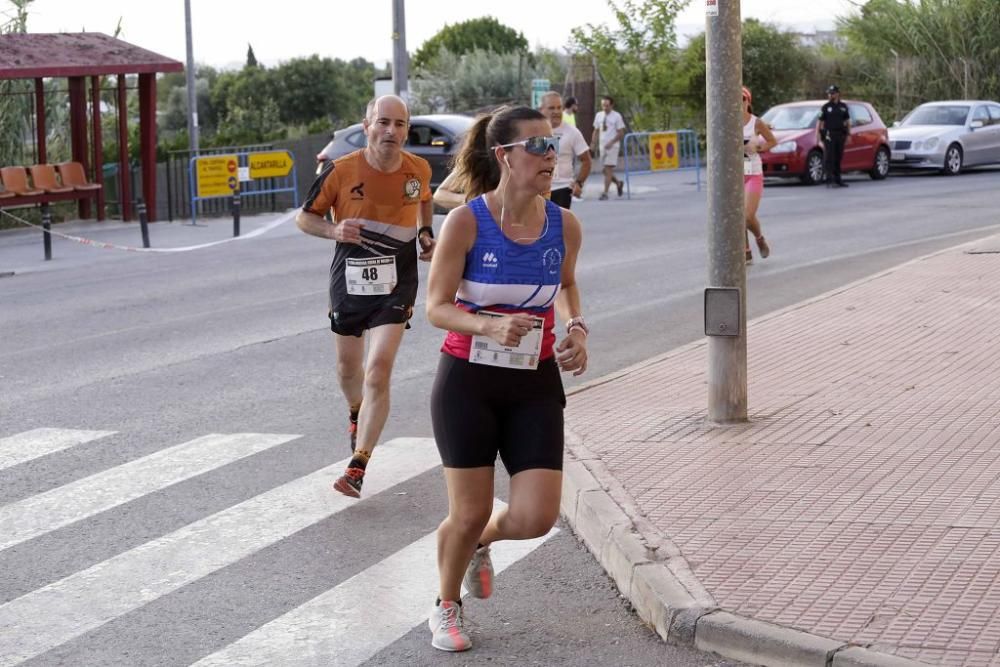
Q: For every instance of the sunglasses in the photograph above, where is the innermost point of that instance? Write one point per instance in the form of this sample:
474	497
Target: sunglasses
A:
536	145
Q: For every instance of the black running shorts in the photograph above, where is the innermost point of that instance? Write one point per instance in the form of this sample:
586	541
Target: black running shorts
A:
357	322
480	411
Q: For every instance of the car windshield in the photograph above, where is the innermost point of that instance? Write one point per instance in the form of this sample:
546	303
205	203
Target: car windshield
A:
937	115
791	117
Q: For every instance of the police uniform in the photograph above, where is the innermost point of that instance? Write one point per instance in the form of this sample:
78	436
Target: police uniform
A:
374	282
835	117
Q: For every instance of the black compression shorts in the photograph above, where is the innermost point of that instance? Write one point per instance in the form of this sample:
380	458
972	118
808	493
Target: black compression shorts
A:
480	411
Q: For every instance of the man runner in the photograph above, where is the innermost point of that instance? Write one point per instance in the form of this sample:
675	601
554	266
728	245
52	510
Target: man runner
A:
377	195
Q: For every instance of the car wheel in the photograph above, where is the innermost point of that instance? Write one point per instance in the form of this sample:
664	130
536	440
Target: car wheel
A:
952	160
881	167
814	168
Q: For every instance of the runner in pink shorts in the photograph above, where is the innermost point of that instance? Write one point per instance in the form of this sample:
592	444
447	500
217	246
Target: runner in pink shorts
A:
757	138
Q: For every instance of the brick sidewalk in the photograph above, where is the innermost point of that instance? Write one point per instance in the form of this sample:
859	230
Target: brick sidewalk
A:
862	500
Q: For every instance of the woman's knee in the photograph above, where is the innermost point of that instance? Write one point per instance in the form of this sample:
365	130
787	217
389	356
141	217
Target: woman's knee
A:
528	525
468	522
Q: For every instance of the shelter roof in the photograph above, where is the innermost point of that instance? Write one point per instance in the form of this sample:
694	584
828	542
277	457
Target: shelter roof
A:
62	54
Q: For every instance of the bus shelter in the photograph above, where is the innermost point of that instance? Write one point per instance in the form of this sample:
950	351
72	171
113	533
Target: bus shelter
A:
83	58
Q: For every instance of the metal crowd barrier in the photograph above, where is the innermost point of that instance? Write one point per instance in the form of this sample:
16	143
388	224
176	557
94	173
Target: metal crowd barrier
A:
669	150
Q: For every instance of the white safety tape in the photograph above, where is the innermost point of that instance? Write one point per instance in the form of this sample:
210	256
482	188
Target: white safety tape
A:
114	246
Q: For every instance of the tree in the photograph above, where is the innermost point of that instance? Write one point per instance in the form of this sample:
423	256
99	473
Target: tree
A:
637	61
775	68
484	33
469	82
251	58
947	49
15	97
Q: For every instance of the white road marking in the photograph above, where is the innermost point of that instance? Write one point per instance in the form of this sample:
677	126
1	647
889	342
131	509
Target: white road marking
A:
353	621
39	514
57	613
41	442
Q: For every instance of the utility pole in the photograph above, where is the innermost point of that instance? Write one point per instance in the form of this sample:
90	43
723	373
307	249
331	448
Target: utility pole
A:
727	351
400	59
192	97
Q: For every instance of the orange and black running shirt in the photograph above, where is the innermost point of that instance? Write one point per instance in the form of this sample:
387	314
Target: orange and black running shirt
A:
387	204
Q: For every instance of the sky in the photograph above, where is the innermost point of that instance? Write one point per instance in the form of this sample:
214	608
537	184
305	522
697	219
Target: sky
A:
347	29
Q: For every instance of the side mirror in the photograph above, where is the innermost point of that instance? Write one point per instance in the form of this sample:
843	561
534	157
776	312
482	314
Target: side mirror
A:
441	143
976	124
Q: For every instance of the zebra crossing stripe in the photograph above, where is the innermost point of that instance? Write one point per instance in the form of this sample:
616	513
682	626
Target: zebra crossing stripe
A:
42	441
45	512
353	621
47	617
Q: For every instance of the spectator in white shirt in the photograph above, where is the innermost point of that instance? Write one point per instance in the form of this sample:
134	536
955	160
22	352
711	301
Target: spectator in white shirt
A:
609	129
572	146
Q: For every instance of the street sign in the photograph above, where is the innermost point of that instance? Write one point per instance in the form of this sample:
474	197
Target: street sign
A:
216	175
663	152
272	164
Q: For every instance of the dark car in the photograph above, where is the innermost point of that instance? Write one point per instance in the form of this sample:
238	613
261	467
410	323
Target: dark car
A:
434	137
800	154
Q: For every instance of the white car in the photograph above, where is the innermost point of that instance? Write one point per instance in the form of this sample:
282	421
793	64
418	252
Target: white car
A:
947	136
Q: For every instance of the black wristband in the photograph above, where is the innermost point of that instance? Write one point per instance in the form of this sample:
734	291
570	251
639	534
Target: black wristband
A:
426	228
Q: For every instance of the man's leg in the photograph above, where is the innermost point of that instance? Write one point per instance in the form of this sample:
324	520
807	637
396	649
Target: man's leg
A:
609	176
350	374
838	156
383	345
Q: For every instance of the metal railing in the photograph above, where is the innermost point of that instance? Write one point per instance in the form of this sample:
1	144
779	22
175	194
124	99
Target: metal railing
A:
179	185
653	152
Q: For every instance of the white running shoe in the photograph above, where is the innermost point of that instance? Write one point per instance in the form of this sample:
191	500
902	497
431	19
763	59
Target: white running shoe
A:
479	575
446	625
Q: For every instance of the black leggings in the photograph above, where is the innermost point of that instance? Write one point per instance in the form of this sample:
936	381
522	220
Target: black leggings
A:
479	411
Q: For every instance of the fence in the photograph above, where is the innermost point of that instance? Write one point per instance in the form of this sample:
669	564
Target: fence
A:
650	152
179	186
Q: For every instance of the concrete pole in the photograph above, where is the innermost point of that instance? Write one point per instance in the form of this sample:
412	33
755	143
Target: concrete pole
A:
400	59
727	355
192	97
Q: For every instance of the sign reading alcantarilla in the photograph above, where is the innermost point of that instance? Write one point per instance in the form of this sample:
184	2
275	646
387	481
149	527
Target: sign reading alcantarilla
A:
273	164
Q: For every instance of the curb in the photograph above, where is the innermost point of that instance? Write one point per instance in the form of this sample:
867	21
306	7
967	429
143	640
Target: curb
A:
655	577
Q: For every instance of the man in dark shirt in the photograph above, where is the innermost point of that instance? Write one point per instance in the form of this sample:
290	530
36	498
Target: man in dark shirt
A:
834	127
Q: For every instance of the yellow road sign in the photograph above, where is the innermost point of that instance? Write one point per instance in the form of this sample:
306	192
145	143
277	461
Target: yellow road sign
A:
217	175
273	164
663	153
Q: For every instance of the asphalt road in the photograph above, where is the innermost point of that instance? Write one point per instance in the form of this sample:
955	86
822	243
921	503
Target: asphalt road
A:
162	350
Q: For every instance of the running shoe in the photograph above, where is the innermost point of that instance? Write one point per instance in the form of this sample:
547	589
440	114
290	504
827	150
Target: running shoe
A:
621	187
479	574
765	249
350	482
749	256
446	627
603	197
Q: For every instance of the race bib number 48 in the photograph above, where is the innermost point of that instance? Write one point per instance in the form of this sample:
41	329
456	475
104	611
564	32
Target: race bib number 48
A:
375	276
487	351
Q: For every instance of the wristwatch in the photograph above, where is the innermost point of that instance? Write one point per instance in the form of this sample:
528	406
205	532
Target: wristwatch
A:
577	323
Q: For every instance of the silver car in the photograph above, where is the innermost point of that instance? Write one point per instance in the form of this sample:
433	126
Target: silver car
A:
947	136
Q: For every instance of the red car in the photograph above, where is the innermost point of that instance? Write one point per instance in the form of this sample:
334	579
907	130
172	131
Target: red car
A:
799	153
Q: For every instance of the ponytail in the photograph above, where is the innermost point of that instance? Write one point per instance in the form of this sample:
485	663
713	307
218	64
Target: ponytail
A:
476	163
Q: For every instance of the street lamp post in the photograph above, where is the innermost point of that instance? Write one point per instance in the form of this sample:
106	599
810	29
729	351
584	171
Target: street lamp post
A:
400	59
192	97
727	345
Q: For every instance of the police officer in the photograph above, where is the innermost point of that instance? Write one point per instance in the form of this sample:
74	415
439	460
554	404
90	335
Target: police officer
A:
834	128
